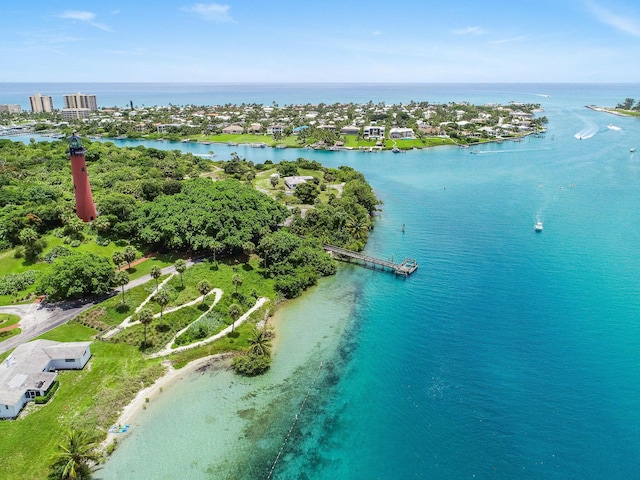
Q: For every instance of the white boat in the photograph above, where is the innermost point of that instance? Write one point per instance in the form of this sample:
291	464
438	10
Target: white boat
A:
632	149
613	127
538	227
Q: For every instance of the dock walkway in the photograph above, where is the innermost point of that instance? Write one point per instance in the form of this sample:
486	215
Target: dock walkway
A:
406	267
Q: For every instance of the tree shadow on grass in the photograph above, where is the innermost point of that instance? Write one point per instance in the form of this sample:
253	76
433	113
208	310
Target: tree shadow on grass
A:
203	307
247	267
123	308
163	328
132	270
233	334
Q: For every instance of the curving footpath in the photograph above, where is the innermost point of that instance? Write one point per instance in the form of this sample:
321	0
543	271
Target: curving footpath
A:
168	350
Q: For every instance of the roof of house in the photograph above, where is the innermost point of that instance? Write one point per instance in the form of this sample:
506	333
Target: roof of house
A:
293	182
24	368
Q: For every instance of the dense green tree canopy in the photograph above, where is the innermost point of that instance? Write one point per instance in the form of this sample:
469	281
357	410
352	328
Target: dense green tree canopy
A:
78	275
227	211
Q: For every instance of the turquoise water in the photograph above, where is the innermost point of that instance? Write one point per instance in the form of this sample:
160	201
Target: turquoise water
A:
508	354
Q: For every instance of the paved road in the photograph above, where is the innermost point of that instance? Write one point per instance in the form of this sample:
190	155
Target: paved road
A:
39	318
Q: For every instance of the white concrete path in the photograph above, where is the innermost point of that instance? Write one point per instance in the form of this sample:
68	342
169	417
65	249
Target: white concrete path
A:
168	350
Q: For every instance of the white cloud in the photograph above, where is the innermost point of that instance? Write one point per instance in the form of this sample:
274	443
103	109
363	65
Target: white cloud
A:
86	17
624	23
75	15
469	31
212	12
376	33
522	38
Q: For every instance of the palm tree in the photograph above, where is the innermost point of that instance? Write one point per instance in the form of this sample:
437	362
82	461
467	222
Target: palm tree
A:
162	298
248	248
145	316
180	266
118	258
121	278
130	254
234	312
358	227
76	453
259	342
156	273
215	246
237	281
203	287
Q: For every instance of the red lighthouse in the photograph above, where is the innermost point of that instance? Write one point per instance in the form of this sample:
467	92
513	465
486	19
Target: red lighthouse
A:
85	208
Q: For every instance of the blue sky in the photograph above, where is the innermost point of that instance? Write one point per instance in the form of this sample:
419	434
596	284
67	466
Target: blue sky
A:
328	41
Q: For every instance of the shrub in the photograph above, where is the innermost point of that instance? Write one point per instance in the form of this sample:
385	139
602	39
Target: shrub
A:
42	399
251	365
14	282
103	242
210	324
56	252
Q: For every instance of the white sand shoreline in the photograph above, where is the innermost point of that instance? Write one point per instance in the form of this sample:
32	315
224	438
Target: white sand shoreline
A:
131	412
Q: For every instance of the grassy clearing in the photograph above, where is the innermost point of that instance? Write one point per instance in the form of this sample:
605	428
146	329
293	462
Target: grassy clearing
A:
113	311
236	342
183	291
7	334
6	320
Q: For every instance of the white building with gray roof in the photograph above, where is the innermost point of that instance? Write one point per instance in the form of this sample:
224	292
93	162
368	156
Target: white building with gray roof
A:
31	370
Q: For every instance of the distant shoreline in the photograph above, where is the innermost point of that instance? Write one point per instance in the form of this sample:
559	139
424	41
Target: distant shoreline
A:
610	110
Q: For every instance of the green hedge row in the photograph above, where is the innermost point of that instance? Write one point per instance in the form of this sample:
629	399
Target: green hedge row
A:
41	399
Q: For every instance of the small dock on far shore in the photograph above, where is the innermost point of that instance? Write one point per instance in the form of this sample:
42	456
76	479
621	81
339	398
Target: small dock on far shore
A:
406	267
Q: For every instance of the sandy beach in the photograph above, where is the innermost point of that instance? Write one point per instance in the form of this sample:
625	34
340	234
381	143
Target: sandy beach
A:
136	407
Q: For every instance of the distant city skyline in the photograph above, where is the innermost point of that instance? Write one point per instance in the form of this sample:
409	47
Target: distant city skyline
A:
587	41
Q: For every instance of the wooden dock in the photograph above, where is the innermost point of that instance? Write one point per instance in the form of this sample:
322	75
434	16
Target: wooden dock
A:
406	267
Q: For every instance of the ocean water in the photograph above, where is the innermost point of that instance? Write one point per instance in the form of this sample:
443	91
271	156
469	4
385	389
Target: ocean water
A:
508	354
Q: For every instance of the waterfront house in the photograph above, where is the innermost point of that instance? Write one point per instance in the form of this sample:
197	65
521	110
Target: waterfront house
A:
31	370
373	131
277	129
232	130
398	133
349	130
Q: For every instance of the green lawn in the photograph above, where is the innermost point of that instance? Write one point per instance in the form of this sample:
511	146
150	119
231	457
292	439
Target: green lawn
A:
6	320
9	333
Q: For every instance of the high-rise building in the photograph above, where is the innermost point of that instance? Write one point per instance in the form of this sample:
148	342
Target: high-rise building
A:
74	113
10	107
41	103
80	100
